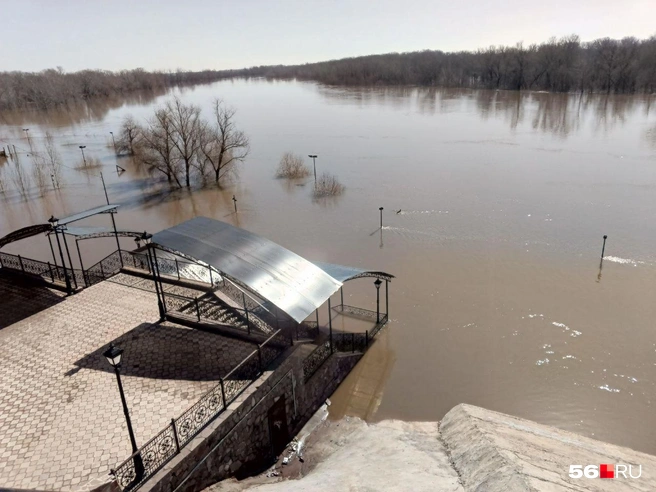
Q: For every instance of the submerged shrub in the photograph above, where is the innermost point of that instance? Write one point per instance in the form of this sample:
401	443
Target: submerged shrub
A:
328	185
291	166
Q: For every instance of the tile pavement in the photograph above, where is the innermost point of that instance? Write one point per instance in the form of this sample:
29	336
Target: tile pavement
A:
61	421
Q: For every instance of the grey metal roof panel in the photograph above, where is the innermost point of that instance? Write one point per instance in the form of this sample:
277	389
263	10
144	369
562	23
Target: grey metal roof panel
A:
293	284
87	213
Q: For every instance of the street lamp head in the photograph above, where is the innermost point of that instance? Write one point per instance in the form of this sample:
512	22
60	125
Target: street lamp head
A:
26	129
53	221
146	237
380	208
112	133
377	283
83	146
138	241
113	355
312	156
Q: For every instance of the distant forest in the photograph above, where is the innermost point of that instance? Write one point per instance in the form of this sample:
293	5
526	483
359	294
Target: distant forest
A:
559	65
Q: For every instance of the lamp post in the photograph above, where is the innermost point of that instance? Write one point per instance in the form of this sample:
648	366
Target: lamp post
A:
381	216
114	141
54	224
82	147
314	164
113	355
377	284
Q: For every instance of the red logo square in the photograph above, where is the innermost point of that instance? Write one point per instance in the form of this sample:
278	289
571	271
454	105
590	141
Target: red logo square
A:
606	471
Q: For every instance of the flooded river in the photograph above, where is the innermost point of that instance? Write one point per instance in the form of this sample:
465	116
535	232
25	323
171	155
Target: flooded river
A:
495	208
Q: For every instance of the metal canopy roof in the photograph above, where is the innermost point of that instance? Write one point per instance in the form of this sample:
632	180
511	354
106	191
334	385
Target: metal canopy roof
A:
87	213
343	273
293	284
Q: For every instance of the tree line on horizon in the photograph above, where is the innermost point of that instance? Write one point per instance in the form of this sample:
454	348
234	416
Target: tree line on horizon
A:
605	65
611	66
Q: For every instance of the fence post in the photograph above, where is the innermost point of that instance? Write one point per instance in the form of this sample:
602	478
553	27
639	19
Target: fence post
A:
225	403
102	270
134	260
211	281
259	358
175	436
248	321
197	308
52	277
20	260
177	268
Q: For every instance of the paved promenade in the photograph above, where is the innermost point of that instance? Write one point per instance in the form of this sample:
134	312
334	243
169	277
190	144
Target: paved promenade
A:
61	421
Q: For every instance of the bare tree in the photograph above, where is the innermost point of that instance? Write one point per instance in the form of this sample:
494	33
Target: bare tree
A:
40	172
158	151
186	123
53	160
20	179
223	146
129	136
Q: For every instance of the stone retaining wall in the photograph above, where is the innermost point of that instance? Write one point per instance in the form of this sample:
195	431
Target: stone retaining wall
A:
239	441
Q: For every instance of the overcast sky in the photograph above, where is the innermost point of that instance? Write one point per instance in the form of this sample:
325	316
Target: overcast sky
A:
217	34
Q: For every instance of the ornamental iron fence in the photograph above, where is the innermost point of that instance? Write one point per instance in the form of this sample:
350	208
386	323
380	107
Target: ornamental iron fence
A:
153	455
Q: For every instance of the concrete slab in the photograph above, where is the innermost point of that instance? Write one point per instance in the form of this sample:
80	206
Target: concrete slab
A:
496	452
61	422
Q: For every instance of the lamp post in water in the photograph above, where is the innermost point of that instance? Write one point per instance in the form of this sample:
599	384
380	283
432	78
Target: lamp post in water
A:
82	147
314	164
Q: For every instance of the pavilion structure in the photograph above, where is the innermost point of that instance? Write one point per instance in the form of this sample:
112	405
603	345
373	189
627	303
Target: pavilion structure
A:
270	286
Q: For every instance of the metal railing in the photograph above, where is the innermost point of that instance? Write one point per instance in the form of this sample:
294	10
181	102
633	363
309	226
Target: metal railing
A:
168	442
210	308
341	342
43	269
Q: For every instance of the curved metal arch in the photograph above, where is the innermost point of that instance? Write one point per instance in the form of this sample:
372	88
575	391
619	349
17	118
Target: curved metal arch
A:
378	275
108	234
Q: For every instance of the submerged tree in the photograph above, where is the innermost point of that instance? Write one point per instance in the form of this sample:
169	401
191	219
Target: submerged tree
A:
180	144
187	129
222	146
129	136
53	160
157	151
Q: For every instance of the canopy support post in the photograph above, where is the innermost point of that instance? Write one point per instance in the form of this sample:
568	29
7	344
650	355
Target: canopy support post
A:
68	253
153	270
330	326
79	255
386	299
54	258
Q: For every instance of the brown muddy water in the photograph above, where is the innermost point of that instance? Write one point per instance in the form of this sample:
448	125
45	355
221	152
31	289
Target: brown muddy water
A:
495	208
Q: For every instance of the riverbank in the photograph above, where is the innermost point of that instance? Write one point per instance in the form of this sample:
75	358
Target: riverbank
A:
471	449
